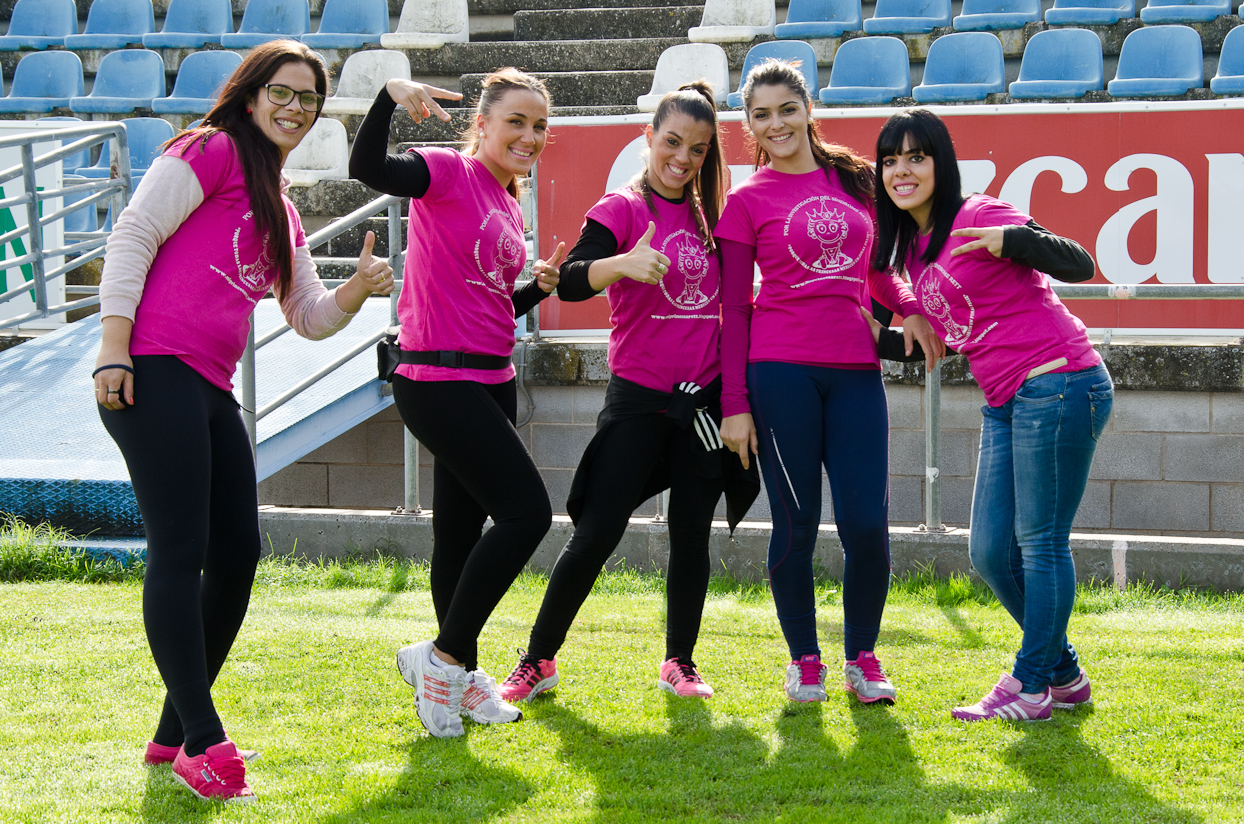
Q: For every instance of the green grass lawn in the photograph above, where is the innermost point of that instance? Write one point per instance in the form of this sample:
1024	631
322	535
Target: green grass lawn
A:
312	685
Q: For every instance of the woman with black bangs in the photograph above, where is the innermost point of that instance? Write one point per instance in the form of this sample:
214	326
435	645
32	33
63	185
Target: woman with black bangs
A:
976	265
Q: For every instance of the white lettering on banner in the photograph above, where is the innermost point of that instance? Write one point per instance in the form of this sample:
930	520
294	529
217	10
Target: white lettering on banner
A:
976	175
1225	262
1017	190
1172	260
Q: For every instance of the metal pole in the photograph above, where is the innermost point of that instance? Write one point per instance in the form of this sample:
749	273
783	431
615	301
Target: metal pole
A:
410	446
535	240
411	465
34	229
248	386
932	451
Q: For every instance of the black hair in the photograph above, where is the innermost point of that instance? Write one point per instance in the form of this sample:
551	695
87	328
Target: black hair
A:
896	229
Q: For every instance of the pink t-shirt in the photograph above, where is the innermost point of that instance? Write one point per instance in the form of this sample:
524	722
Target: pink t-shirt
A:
663	333
1002	316
207	277
466	250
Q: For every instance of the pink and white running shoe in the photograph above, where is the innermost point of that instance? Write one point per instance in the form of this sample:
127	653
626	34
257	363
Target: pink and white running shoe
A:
438	688
805	679
867	680
679	676
530	678
1070	696
1004	702
217	775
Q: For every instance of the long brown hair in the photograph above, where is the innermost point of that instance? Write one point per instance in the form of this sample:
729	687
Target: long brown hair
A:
707	191
855	174
261	160
493	88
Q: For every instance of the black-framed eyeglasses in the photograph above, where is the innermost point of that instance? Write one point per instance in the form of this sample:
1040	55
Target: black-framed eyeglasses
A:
281	95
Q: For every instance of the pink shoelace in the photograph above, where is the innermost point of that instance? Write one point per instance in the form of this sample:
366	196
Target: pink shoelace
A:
871	668
230	771
809	670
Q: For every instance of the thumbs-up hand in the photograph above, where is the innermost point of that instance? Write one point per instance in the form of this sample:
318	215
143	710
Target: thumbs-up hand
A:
375	273
548	272
644	263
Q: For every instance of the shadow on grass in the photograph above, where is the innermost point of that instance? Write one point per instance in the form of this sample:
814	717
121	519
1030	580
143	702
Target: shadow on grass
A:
165	800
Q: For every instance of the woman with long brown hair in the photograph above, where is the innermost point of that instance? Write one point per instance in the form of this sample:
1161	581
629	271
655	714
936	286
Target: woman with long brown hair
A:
208	232
801	377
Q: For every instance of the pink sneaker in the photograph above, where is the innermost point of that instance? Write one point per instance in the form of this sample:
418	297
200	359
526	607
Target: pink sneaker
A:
867	680
530	678
1003	701
217	775
159	754
1067	697
805	679
679	676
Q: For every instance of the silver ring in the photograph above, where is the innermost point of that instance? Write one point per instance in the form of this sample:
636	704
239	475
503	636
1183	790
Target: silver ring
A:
114	392
662	268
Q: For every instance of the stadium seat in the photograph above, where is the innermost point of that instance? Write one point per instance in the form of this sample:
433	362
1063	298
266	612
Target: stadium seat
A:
790	50
188	24
734	21
146	136
819	18
1089	12
429	24
266	20
908	16
126	80
868	70
1183	11
1230	76
348	24
44	81
1059	63
362	76
991	15
114	24
85	219
962	66
74	162
324	154
684	63
37	24
199	80
1159	60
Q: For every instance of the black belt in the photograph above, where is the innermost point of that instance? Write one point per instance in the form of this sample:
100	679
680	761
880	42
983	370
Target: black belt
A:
455	360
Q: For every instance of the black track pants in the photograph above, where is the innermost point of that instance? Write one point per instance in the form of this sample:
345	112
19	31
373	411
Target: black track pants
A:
481	469
626	456
190	461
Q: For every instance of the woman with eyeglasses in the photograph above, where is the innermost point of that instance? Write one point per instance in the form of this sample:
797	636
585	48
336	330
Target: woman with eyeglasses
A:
455	388
208	232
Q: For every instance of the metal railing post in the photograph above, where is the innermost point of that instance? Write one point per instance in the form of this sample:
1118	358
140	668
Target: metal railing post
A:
410	446
411	466
34	229
535	241
932	451
248	386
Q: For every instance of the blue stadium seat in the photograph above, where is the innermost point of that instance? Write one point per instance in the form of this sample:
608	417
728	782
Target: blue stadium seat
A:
126	80
348	24
1089	12
1159	60
146	136
266	20
908	16
1183	11
868	70
791	50
85	219
819	18
1230	76
188	24
114	24
37	24
44	81
199	80
962	66
74	162
990	15
1059	63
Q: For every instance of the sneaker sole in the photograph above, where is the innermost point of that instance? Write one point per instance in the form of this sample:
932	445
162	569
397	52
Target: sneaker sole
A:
237	799
1056	705
885	699
672	690
540	687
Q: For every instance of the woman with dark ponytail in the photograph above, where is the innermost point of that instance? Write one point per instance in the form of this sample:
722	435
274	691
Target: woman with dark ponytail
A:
801	376
208	232
649	246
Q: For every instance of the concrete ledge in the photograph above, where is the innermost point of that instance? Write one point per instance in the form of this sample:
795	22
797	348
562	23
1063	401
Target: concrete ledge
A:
1118	559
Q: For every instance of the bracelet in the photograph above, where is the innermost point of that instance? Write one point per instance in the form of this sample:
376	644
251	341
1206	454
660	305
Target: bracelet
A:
112	366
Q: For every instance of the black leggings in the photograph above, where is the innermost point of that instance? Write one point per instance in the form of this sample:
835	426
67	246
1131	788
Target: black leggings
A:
623	462
481	469
194	477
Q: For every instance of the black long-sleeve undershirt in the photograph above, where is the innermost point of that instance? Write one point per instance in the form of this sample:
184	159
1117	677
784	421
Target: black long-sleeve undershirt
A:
406	175
1059	257
595	243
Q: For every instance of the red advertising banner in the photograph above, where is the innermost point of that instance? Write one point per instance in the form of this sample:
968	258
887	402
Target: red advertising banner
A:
1154	191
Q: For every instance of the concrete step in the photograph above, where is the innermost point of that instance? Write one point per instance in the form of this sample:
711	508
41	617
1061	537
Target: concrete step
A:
552	56
606	24
515	6
330	199
607	88
434	130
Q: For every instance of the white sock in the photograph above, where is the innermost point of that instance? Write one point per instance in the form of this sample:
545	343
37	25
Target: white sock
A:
1032	698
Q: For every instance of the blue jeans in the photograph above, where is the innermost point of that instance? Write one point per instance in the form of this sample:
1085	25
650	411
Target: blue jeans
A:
1035	454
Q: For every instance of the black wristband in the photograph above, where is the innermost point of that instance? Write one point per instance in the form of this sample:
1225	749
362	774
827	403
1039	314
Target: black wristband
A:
112	366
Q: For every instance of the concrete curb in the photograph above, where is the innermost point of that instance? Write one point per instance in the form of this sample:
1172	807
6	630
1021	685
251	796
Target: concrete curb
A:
1117	559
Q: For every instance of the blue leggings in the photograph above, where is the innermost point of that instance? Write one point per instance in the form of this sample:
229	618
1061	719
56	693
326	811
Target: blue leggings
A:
806	416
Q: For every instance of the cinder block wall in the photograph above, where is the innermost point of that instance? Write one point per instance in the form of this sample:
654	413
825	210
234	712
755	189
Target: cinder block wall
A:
1170	462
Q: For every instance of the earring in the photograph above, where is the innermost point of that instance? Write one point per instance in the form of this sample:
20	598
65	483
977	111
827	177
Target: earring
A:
248	110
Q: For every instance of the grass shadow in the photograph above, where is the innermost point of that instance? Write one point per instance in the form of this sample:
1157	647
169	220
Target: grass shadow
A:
165	800
970	637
